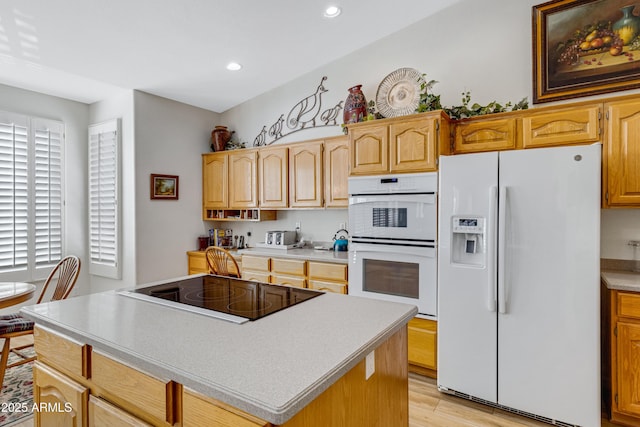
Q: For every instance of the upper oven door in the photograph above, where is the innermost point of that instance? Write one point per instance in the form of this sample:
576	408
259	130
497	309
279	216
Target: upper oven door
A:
393	216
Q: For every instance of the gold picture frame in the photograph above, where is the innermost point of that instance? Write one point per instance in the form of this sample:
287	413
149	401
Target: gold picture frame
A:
584	47
164	187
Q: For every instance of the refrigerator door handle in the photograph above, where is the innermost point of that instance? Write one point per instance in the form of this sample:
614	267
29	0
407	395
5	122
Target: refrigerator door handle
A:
491	249
502	239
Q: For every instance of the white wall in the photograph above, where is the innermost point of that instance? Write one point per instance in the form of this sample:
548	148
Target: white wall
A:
75	116
169	139
480	46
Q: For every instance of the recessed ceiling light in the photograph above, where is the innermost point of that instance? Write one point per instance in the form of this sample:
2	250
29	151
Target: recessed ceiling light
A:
233	66
332	11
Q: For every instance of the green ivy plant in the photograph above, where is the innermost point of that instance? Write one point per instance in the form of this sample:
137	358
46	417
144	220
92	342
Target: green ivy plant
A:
430	102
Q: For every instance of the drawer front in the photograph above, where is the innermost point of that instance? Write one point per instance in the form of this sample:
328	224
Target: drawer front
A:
201	411
298	282
319	285
628	305
289	266
60	352
259	263
328	271
102	413
422	342
258	276
128	387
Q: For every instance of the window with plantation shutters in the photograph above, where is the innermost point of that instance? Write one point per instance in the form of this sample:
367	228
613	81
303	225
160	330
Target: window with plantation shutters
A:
31	190
104	192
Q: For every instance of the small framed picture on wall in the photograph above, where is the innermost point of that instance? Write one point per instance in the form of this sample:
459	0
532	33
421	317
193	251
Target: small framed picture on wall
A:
164	187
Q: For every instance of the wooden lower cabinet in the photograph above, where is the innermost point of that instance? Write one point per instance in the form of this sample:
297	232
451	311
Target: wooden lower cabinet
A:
423	350
197	263
622	323
322	276
113	394
60	400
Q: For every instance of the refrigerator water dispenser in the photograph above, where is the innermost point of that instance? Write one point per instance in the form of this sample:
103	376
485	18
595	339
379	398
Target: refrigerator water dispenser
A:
468	241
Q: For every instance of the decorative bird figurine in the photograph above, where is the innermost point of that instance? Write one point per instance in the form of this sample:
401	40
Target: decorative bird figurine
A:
306	110
260	139
275	131
331	114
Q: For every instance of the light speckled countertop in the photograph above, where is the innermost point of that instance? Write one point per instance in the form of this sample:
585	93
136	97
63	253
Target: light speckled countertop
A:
271	368
305	253
621	280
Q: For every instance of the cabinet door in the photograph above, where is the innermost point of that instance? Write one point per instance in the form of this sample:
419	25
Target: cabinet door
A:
412	145
622	153
305	175
577	125
197	263
336	173
297	281
628	366
273	170
320	285
422	342
243	179
369	149
214	181
476	135
55	390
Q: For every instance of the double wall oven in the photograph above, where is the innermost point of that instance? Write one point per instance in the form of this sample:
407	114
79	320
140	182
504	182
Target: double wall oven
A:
393	227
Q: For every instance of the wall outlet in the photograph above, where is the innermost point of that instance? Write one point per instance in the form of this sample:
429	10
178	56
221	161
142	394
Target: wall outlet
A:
298	225
343	225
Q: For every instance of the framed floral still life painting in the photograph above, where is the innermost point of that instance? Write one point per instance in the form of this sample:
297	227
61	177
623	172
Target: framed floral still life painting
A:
164	187
585	47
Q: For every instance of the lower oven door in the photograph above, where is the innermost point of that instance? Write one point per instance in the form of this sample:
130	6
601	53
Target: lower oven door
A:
405	274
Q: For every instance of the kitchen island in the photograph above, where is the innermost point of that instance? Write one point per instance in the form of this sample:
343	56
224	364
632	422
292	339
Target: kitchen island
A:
332	360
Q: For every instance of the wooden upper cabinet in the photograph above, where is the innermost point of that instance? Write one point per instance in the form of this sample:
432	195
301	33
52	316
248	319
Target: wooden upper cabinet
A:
214	181
273	170
243	179
369	149
400	144
562	126
486	134
305	175
412	145
622	153
336	172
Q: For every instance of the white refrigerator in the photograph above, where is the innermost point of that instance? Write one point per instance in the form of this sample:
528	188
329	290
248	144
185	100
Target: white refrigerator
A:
518	281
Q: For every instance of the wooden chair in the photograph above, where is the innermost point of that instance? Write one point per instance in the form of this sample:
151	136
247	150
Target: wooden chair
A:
65	275
219	261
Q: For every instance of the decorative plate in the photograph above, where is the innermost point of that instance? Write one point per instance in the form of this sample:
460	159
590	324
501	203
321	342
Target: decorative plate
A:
399	93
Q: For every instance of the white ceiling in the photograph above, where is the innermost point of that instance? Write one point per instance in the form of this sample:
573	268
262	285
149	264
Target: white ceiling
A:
85	49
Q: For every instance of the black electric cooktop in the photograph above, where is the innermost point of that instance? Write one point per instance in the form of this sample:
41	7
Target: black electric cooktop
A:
228	298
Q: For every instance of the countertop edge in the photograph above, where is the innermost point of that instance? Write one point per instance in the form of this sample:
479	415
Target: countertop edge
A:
621	280
275	415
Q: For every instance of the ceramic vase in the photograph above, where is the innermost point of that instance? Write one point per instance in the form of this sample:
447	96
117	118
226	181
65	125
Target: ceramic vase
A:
219	138
628	26
355	107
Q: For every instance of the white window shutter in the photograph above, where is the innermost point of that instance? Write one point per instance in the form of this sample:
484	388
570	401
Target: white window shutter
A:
47	192
104	195
14	197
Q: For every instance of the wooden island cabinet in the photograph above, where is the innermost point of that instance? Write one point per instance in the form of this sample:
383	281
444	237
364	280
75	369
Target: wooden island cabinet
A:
621	355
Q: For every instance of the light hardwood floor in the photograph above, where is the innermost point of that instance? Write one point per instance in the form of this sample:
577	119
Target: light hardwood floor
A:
430	408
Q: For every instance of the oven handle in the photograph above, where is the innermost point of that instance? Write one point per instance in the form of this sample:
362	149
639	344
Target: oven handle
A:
428	198
359	248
